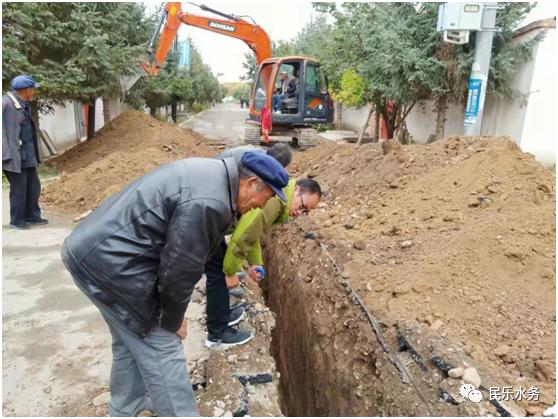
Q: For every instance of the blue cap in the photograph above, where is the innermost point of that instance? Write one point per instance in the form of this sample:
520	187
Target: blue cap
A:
268	170
23	82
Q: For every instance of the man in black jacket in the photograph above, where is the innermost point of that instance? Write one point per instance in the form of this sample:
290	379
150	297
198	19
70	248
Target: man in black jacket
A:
139	255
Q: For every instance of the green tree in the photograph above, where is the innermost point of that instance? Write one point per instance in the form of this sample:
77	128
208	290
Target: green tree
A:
250	66
196	86
76	51
396	50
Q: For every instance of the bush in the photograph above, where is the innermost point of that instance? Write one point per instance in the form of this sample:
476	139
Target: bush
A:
198	107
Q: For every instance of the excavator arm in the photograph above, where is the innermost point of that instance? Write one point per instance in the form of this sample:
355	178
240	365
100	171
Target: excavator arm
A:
233	26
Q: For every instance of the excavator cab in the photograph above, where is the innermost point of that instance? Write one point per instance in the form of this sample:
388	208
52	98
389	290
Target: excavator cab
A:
293	111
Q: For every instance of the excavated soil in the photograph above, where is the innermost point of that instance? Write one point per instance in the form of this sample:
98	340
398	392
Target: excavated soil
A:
448	245
126	148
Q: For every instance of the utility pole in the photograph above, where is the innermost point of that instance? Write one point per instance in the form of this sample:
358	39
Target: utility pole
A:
479	72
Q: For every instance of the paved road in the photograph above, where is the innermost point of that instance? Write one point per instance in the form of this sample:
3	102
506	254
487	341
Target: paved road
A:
224	122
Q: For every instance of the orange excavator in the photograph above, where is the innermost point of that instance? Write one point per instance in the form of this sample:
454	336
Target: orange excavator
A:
307	102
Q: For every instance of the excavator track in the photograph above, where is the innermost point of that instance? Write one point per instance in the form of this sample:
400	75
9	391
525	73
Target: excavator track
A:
308	138
252	134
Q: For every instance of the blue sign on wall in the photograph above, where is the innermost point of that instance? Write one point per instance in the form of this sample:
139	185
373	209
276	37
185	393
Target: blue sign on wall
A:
473	101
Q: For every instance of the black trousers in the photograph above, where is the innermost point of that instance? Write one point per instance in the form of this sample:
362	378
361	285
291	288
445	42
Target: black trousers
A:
217	309
25	189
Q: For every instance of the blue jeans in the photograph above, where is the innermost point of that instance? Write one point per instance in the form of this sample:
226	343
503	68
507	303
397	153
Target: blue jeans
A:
276	101
148	373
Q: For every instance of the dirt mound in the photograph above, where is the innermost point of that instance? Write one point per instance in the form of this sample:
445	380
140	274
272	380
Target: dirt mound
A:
126	148
457	236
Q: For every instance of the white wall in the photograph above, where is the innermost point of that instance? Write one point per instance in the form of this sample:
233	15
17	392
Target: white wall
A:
539	129
117	107
421	121
353	118
99	119
61	126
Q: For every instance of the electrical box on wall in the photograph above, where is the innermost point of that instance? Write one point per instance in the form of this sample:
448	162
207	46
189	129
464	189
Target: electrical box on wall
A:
460	17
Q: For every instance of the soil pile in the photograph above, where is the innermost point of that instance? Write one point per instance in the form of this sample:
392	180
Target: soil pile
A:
457	236
126	148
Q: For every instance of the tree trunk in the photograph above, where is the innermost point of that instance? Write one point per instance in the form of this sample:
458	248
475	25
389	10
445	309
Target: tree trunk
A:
153	111
106	110
441	108
173	111
397	128
366	122
91	119
390	122
376	123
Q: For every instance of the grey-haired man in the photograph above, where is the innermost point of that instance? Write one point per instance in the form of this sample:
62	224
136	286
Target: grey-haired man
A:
20	154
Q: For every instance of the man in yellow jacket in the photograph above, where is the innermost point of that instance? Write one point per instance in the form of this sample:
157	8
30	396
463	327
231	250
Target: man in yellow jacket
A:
302	196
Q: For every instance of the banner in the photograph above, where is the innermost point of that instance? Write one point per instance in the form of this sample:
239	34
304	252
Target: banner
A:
473	101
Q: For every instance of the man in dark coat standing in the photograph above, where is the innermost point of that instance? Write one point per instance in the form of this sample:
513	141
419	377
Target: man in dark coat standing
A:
20	154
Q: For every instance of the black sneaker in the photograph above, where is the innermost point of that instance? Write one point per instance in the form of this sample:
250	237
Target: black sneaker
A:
236	315
230	337
39	222
20	226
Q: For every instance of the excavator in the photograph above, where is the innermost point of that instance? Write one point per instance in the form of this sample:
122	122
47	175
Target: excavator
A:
308	105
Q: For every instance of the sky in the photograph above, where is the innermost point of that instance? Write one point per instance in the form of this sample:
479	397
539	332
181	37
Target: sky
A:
282	20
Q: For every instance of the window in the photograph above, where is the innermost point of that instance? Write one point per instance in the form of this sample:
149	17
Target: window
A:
260	95
314	83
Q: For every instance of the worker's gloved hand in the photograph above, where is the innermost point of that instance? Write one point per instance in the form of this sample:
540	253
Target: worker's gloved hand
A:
257	273
232	281
182	331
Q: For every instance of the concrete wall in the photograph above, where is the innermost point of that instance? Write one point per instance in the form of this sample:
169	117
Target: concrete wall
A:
353	118
62	125
421	121
530	120
539	128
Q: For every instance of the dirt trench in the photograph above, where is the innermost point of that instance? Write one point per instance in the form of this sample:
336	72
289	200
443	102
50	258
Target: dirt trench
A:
372	311
333	362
